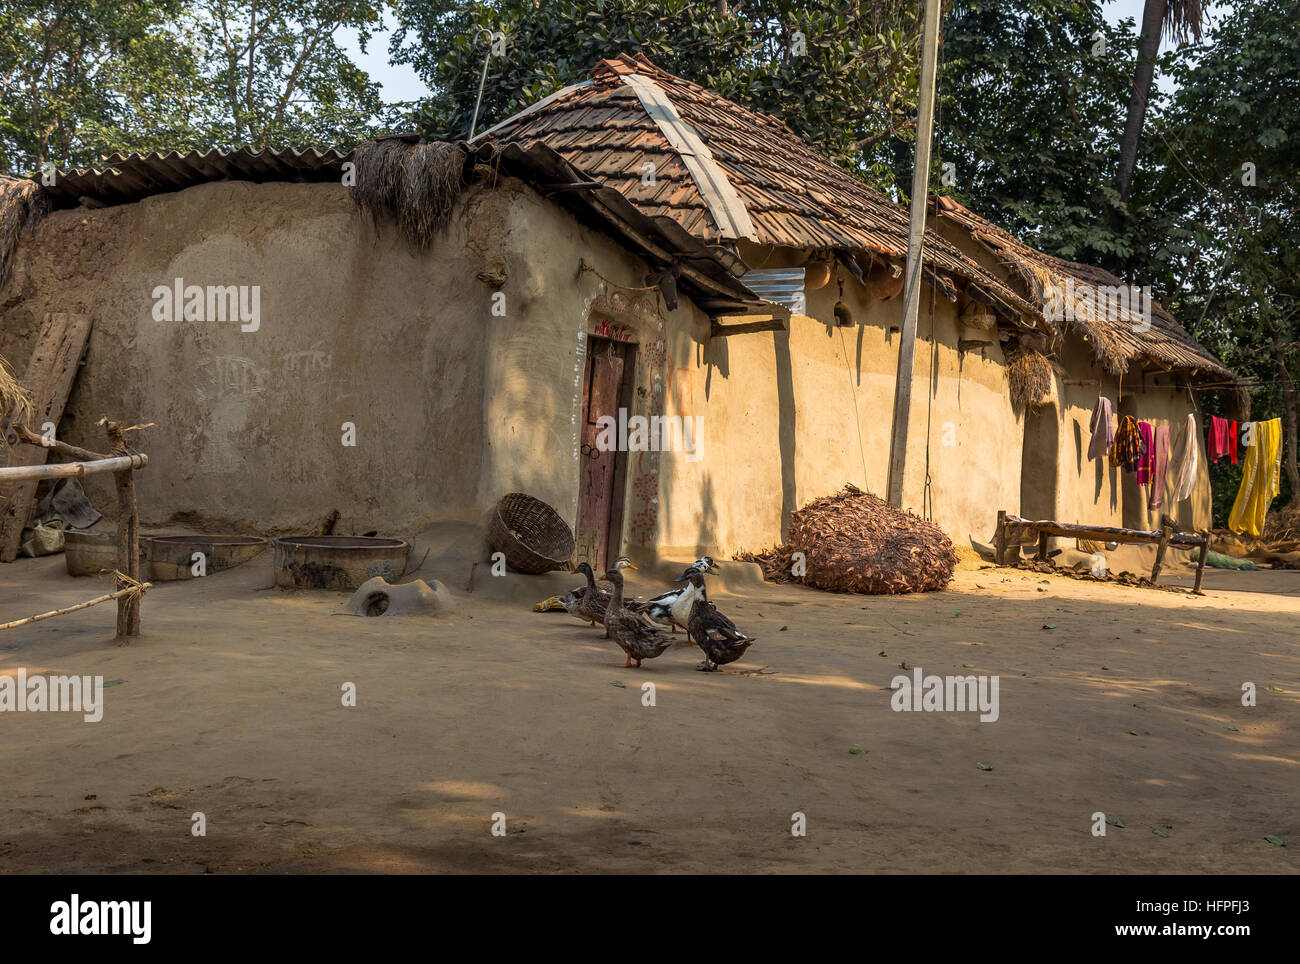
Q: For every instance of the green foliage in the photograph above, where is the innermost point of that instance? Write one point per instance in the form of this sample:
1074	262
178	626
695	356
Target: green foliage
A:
853	83
83	79
1238	277
1034	94
280	75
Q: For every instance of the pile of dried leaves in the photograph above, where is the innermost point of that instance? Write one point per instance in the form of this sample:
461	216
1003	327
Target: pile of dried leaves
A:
855	542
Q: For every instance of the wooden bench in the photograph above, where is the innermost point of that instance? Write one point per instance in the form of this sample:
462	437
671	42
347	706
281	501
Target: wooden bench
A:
1013	530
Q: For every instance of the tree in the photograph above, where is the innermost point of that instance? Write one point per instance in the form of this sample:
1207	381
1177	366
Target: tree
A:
1181	20
282	77
843	76
1030	117
1231	168
82	79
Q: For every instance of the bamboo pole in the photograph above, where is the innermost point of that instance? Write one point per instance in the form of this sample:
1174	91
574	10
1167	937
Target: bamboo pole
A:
21	433
72	609
128	532
915	262
122	463
77	470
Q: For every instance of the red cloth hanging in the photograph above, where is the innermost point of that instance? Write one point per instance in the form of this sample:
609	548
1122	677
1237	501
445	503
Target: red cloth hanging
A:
1223	439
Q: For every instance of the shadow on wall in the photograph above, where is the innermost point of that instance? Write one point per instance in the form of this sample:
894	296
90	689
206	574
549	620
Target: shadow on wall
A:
1103	471
707	533
785	426
1038	465
713	353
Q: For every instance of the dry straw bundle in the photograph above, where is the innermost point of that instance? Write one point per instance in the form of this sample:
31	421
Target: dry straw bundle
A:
415	184
855	542
22	203
13	400
1030	375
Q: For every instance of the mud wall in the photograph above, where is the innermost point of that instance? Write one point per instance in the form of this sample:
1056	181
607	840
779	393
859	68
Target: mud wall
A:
460	371
250	425
791	416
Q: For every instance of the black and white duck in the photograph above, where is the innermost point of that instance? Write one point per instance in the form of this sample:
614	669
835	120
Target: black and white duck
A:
634	633
713	632
673	608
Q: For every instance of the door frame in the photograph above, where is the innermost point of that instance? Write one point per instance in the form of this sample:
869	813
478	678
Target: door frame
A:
597	345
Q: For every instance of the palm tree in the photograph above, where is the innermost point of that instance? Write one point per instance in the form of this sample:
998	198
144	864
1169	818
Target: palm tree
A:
1181	20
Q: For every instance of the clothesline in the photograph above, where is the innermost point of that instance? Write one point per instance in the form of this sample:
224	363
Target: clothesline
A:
1144	449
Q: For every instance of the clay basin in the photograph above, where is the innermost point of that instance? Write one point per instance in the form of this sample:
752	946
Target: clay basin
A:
88	552
341	563
172	557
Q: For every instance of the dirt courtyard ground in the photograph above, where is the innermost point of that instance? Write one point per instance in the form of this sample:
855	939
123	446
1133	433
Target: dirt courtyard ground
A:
230	705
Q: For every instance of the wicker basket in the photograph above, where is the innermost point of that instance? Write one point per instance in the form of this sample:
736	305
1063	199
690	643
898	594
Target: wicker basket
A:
531	534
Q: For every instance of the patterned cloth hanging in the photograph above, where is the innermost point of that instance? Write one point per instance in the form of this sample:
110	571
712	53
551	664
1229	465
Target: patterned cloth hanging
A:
1128	445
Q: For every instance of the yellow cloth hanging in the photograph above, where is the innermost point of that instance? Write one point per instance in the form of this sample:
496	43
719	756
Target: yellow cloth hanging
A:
1260	479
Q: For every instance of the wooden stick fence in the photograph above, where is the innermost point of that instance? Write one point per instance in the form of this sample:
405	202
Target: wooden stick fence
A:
123	464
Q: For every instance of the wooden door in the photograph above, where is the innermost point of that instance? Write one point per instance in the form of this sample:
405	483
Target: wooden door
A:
601	473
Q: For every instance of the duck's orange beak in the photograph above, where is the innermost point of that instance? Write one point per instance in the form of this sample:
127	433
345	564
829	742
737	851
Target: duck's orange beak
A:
630	566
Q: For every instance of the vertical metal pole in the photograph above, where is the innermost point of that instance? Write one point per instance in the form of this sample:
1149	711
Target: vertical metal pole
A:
481	81
912	278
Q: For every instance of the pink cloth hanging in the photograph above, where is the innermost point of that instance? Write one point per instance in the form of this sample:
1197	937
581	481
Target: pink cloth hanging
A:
1145	464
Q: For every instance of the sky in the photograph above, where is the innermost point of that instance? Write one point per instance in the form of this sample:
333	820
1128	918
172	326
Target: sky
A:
400	82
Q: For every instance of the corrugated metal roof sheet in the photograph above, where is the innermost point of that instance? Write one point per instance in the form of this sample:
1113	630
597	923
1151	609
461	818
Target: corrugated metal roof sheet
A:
128	178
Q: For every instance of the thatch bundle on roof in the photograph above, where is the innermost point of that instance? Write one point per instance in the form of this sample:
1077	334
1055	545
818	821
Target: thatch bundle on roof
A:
415	184
855	542
22	203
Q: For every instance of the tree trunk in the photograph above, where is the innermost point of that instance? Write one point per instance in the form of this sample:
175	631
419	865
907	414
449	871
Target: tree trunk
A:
1153	14
1288	415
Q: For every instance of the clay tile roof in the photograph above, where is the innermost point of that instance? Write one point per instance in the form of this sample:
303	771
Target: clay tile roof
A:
1116	338
792	195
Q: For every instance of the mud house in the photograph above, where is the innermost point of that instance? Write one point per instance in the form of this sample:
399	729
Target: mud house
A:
634	247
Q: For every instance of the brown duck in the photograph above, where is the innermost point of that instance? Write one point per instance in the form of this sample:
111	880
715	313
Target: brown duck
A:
714	633
635	634
591	602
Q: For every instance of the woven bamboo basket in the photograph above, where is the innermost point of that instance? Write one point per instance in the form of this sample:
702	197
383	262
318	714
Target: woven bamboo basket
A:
531	535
